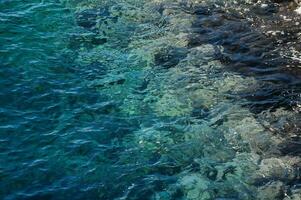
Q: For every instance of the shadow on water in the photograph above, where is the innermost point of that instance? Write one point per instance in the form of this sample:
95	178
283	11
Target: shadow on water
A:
250	52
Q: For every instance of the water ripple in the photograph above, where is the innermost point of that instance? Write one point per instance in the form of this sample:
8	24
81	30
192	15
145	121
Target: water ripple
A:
147	100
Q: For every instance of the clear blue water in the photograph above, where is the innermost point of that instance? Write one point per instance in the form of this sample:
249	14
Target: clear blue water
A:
145	100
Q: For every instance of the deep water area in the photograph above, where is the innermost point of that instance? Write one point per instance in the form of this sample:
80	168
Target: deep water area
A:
150	100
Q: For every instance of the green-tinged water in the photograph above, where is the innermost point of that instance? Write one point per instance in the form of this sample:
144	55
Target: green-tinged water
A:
148	99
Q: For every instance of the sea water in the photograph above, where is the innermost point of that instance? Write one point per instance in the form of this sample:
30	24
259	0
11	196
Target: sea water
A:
161	100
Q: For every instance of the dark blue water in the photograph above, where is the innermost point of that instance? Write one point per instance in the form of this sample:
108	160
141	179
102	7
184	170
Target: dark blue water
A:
143	100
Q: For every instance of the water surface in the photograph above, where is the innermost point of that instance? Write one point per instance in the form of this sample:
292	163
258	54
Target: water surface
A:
160	100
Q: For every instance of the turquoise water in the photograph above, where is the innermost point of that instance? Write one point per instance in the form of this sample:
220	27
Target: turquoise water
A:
157	100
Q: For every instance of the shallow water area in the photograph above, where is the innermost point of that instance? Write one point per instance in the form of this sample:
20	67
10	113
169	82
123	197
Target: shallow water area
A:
160	100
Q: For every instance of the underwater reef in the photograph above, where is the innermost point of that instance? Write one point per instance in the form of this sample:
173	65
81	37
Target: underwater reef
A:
152	99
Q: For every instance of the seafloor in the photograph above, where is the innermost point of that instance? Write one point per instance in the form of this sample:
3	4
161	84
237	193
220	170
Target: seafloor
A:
150	99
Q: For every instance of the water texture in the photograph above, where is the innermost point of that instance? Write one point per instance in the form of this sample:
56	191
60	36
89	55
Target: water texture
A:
150	99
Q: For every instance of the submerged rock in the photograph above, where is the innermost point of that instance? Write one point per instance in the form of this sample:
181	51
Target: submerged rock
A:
169	57
191	56
196	187
272	190
283	169
87	18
